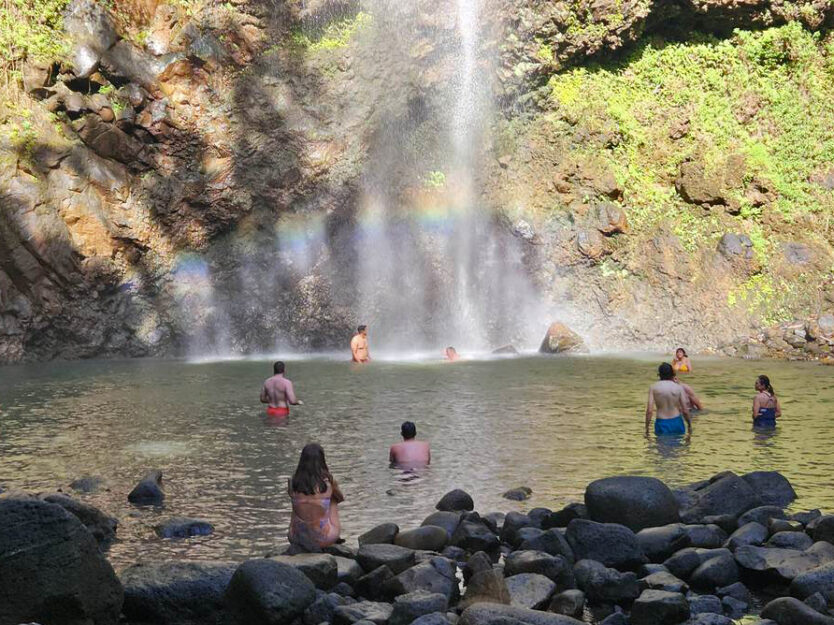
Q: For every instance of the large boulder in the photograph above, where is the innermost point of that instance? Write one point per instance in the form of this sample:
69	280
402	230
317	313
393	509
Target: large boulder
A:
658	543
456	501
605	585
714	573
148	492
560	338
555	568
822	528
426	538
176	593
514	522
396	558
375	612
752	533
659	607
772	487
784	564
818	579
551	541
530	590
51	568
612	544
474	536
411	606
268	592
633	501
100	525
384	533
495	614
761	514
569	602
791	611
320	568
436	575
449	521
790	540
664	580
726	493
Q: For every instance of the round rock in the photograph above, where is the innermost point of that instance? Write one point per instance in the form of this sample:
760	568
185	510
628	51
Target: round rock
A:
634	501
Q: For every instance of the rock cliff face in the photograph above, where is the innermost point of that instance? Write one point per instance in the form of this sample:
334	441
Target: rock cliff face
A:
189	175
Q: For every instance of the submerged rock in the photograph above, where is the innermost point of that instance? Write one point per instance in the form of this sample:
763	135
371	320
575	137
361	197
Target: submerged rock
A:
518	494
181	527
456	501
149	490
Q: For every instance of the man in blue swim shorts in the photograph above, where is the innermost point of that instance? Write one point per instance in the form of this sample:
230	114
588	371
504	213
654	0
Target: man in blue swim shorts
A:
669	399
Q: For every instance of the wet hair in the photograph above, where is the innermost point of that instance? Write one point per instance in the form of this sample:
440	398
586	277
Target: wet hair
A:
312	475
360	328
765	381
408	430
666	372
278	367
681	349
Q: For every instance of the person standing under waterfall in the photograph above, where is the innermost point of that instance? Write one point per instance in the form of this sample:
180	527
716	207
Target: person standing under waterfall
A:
359	345
278	393
669	400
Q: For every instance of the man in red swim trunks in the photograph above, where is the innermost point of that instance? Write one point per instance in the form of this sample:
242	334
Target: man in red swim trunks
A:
278	393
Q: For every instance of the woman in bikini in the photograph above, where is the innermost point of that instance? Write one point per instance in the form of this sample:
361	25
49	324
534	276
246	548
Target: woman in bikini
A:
681	362
315	498
766	408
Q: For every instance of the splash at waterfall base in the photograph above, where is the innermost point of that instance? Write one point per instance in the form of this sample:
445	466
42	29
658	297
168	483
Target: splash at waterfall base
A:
633	552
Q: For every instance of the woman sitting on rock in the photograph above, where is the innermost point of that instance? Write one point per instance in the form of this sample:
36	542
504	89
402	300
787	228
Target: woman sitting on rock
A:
766	408
315	498
681	362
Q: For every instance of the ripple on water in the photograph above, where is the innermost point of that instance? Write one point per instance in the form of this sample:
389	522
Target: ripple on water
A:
550	424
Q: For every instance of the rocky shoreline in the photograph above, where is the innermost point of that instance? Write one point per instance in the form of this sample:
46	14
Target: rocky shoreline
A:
635	552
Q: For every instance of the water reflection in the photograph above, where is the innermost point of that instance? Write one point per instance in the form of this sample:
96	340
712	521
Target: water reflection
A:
492	425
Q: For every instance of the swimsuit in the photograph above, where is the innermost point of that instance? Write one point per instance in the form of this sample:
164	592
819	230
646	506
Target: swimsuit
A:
766	418
278	411
683	369
673	426
312	535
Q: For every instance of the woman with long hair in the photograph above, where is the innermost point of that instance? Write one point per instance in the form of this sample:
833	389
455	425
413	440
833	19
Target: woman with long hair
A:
766	408
315	498
681	362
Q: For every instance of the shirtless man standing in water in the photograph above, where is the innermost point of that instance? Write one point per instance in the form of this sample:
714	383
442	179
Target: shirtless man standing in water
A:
278	393
671	403
411	453
359	345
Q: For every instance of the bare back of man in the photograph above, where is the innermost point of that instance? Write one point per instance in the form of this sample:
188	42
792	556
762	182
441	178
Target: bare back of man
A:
669	400
278	392
410	454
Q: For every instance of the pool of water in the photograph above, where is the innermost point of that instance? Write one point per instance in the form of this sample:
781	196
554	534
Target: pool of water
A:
552	424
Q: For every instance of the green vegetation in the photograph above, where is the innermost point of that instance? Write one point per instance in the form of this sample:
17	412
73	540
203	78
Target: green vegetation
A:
434	180
30	30
333	37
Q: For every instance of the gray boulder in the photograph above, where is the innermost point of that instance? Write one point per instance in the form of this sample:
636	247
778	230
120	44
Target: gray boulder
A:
51	568
411	606
449	521
772	487
181	527
427	538
705	536
568	602
148	492
663	580
384	533
521	493
659	607
791	611
514	522
752	533
495	614
176	593
268	592
605	585
561	518
396	558
100	525
550	541
320	568
614	545
822	528
790	540
636	502
530	590
324	608
372	585
555	568
714	573
761	514
659	543
473	536
375	612
705	604
784	564
819	579
435	618
348	570
86	484
727	493
455	501
436	576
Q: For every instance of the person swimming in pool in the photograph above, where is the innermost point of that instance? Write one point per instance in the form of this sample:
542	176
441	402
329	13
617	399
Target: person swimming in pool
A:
669	400
278	393
411	453
691	397
315	499
681	362
766	408
451	354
